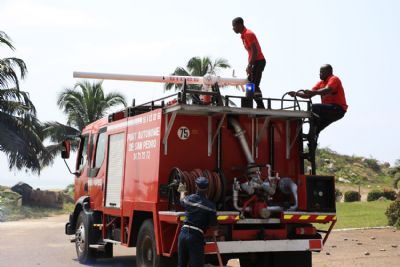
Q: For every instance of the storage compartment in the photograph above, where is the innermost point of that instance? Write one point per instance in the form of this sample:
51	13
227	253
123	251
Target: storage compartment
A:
317	193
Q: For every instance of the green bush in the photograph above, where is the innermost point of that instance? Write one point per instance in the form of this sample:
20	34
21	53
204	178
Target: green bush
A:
351	196
373	164
393	214
374	195
389	194
70	189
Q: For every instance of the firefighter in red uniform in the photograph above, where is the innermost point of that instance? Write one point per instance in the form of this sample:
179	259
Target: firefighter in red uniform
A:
333	101
200	213
256	59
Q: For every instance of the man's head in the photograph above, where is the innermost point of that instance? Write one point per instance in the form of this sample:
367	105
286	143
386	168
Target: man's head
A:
201	184
325	71
238	25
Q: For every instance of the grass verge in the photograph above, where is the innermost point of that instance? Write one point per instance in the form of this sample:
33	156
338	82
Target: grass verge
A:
360	214
349	214
12	213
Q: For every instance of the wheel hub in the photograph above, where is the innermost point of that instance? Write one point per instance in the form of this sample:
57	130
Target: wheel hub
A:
149	254
80	238
148	250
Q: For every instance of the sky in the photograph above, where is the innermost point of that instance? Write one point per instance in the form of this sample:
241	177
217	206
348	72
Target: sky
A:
359	38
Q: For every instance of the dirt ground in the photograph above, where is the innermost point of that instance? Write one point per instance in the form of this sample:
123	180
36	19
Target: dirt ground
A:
42	242
363	247
372	247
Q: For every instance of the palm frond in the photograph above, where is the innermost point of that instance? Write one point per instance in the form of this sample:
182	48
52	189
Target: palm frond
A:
114	99
221	63
195	66
21	133
5	39
58	132
20	142
179	71
8	72
86	102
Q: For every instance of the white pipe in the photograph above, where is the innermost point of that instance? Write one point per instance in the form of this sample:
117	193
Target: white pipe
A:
293	188
206	80
287	186
239	133
235	189
275	208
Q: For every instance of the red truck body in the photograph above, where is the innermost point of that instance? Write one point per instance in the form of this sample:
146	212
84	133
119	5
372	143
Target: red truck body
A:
130	163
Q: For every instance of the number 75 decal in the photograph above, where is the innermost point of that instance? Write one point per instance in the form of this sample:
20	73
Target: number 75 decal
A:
183	133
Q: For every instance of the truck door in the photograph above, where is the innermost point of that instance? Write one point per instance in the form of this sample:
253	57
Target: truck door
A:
81	186
97	171
115	169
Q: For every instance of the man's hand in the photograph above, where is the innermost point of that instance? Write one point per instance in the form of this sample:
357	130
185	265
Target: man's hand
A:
216	232
292	93
249	69
181	188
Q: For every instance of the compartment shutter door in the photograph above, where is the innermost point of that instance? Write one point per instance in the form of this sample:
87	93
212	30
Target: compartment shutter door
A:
115	170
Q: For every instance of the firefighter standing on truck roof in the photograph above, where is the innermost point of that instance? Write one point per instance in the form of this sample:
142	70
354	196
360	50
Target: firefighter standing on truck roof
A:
333	101
256	58
200	213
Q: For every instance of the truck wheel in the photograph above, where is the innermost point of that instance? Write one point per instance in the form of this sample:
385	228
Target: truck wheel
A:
146	252
108	252
213	260
82	237
292	258
257	260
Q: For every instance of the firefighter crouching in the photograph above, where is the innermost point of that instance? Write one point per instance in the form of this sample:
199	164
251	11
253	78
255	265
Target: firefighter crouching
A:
200	213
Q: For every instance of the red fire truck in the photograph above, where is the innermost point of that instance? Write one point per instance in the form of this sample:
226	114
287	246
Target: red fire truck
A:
130	164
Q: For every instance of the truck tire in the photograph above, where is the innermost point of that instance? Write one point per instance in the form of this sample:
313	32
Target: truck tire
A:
82	236
277	259
256	260
292	258
213	260
146	252
106	253
108	250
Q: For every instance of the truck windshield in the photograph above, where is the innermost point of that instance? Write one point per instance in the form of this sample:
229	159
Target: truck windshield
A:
83	152
100	149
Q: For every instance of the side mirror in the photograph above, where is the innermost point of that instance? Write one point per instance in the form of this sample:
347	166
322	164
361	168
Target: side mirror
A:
66	147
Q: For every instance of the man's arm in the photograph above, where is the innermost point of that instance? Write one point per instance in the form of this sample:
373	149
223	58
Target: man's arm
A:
254	53
324	91
310	93
302	93
213	223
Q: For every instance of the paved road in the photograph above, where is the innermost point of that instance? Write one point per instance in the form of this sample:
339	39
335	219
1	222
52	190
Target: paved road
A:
42	242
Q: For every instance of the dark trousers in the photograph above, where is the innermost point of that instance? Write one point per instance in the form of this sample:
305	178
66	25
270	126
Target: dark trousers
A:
190	248
255	76
326	114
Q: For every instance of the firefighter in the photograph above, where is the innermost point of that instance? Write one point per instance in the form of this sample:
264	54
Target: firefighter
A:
333	105
200	213
256	60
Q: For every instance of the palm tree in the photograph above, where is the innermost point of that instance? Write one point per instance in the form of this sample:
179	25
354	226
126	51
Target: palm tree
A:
8	65
82	107
20	135
198	67
88	105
